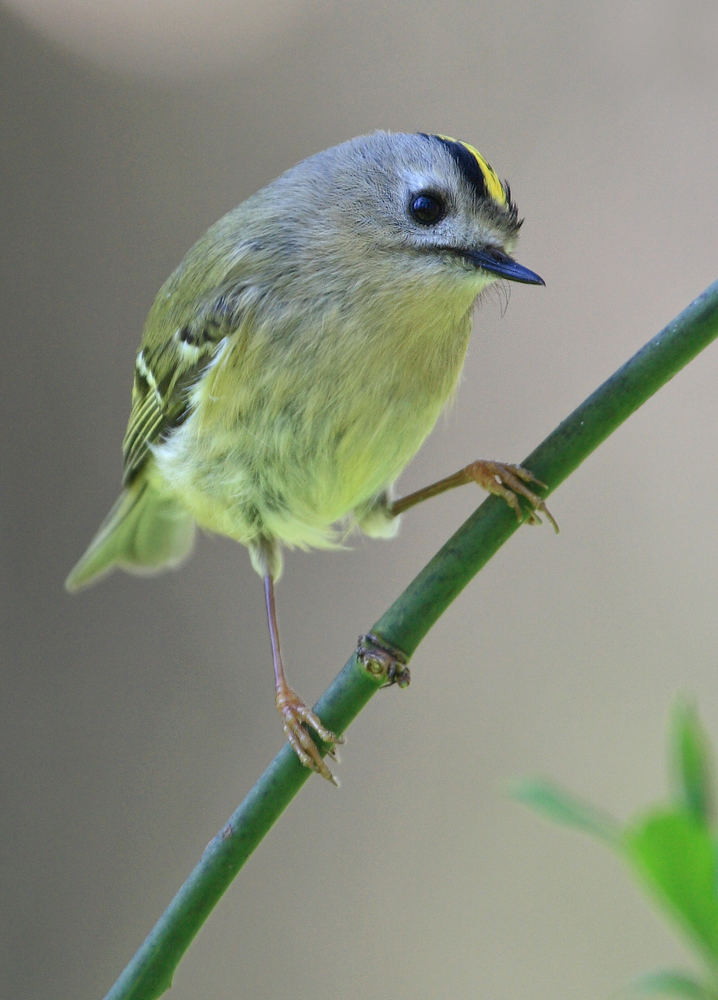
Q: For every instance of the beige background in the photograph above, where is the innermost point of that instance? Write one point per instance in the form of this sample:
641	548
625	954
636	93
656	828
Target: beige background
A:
137	715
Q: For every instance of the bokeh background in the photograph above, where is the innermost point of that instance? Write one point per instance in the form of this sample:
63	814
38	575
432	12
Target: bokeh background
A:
135	716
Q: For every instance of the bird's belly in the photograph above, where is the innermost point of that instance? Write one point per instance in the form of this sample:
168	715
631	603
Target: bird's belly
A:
291	480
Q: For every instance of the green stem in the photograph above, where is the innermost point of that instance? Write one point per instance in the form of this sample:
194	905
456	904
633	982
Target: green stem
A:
403	626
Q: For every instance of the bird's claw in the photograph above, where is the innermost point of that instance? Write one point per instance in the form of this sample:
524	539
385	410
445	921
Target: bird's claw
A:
511	482
297	721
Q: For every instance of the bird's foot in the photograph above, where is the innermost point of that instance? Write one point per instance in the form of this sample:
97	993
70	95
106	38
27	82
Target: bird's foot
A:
511	482
297	721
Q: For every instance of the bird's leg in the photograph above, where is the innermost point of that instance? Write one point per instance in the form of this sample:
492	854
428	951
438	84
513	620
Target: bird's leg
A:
506	481
297	718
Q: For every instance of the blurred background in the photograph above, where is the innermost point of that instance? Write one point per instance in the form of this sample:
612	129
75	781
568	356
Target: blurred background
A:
138	714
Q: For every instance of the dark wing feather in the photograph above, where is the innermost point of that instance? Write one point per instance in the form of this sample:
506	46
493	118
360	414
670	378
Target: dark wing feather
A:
165	373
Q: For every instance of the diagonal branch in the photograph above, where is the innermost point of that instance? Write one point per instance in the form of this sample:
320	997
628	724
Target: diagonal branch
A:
403	626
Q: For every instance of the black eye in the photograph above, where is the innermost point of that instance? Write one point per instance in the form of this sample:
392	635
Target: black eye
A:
428	209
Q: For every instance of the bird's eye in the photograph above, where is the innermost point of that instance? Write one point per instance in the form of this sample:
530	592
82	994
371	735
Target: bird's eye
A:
427	209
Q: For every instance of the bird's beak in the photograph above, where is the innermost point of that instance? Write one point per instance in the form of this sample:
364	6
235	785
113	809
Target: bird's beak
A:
504	266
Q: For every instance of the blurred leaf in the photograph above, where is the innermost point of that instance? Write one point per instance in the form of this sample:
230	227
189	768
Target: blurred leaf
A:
676	856
562	807
678	984
690	761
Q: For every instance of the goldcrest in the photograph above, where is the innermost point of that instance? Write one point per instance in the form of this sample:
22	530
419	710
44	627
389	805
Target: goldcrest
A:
297	358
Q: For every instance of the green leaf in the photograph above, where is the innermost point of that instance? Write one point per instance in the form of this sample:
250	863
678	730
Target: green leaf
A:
690	762
676	857
678	984
562	807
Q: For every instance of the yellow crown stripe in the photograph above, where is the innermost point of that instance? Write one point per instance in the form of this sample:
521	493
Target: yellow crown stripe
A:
494	187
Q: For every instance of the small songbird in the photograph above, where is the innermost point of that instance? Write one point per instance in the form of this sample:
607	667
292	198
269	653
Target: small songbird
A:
297	358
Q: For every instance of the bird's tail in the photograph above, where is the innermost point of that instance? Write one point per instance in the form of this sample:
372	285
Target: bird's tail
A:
145	532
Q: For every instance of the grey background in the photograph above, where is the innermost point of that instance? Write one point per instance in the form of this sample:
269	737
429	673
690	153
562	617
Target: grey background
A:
135	716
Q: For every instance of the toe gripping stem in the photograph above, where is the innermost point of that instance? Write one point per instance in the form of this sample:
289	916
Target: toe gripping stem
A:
380	660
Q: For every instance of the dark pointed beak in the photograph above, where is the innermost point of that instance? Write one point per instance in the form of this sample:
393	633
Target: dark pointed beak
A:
504	266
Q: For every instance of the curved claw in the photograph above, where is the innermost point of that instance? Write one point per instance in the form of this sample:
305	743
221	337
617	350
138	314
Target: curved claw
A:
511	482
297	721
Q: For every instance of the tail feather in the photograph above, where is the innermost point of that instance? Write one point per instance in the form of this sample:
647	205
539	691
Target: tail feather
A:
144	532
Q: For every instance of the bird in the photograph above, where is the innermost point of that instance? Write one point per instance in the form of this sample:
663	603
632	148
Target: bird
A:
297	358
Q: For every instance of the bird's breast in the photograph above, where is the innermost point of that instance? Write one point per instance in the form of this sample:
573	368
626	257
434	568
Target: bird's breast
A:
289	436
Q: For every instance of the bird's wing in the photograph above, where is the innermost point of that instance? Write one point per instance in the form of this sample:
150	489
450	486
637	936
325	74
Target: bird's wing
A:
167	367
